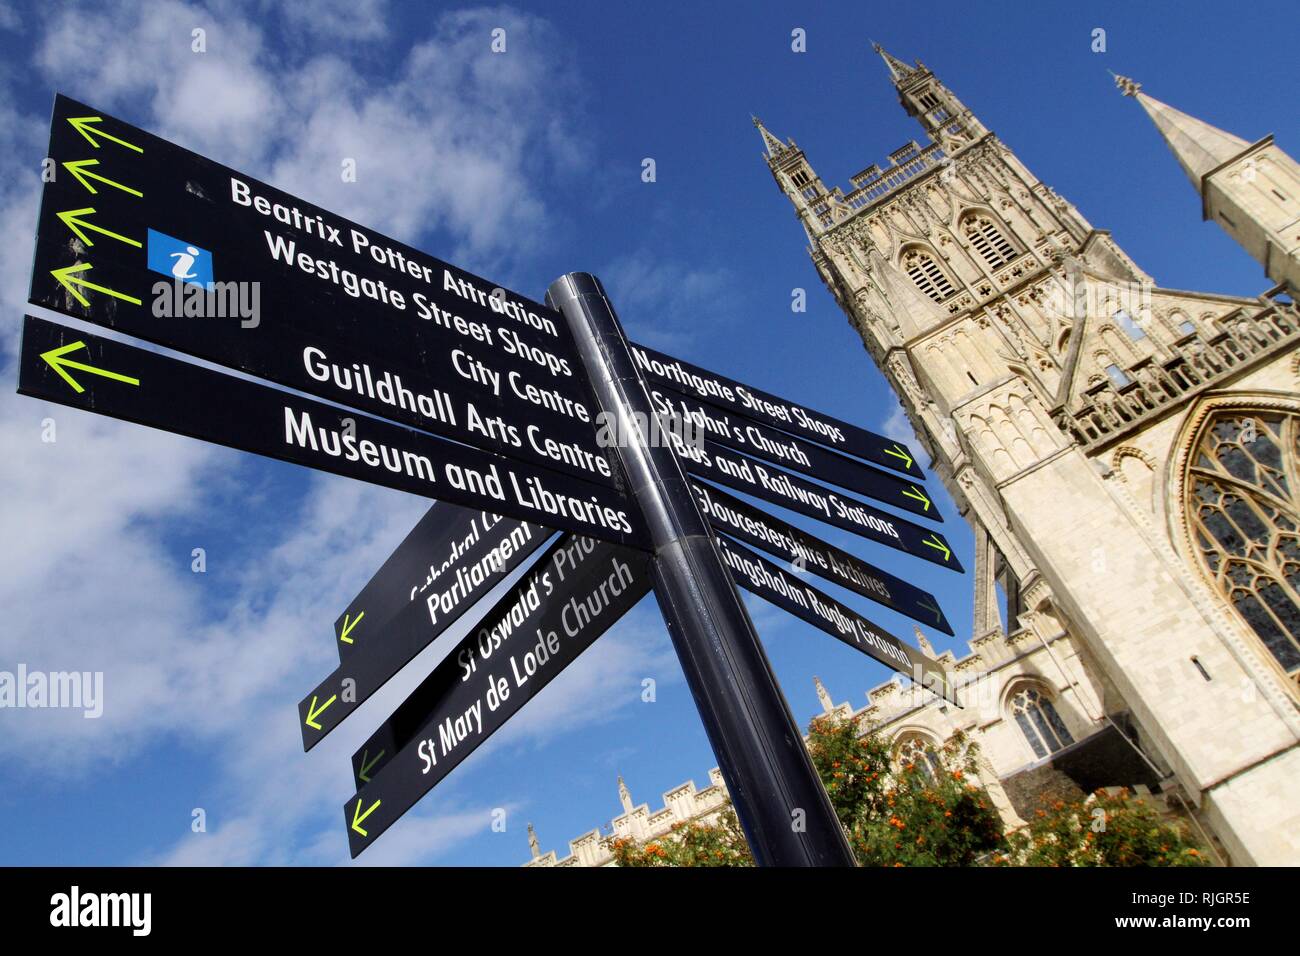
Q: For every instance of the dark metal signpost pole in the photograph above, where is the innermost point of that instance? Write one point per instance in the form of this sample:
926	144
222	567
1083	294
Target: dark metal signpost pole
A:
782	806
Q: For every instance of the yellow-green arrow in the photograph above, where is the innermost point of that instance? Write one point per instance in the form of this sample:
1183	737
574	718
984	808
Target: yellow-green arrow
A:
88	126
74	220
364	774
347	627
65	277
313	711
55	359
80	169
937	544
916	494
359	818
899	452
938	615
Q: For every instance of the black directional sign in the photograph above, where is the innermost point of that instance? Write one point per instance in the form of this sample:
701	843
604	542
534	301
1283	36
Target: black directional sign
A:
569	598
770	582
86	371
798	494
772	410
807	552
388	648
744	435
139	235
449	548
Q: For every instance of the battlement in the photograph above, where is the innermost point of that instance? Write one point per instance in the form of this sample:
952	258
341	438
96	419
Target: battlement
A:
905	164
682	804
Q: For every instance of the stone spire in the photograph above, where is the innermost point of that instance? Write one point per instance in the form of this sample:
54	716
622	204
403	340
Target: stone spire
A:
1198	146
823	695
924	642
534	847
1243	186
624	795
898	70
770	143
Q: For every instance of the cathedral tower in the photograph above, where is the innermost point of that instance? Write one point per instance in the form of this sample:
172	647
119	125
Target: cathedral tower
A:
1126	454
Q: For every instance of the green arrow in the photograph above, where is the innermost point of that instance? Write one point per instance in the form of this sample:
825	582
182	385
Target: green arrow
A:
313	712
74	221
901	453
938	545
56	361
78	168
359	818
363	775
916	494
65	277
938	615
347	628
86	125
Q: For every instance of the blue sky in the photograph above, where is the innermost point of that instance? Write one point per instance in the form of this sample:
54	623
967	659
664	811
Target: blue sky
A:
519	167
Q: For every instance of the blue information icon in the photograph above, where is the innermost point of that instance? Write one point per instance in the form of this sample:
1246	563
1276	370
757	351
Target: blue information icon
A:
179	259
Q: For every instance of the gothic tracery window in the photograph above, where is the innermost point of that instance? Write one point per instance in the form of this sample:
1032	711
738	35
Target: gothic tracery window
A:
1243	507
927	275
918	750
1118	377
1130	325
993	247
1038	720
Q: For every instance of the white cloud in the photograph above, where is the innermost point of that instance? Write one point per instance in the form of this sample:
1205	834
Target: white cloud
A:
9	18
222	100
602	684
455	140
897	427
666	303
353	20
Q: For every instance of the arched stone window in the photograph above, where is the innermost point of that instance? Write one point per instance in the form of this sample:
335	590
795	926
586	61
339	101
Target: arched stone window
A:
1036	716
983	233
927	274
1242	505
1181	324
918	749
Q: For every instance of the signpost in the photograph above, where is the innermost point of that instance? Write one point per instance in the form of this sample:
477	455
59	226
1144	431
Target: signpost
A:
86	371
394	644
741	434
817	501
762	577
806	552
296	295
437	383
727	393
566	601
450	547
754	736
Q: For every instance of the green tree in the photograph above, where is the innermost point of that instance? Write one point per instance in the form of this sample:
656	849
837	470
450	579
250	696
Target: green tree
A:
1111	829
930	813
923	813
